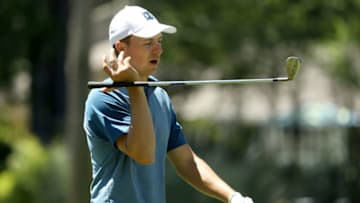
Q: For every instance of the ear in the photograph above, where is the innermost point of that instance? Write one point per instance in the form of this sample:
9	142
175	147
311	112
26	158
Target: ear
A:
120	46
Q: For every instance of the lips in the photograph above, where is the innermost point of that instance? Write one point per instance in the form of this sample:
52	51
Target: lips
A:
154	61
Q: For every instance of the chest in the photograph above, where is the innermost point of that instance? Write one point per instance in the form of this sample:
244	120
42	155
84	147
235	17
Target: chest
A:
161	113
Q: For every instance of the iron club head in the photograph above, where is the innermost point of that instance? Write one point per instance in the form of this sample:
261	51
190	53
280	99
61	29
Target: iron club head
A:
293	64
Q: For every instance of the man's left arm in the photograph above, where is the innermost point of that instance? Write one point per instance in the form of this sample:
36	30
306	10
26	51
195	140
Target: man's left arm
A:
198	174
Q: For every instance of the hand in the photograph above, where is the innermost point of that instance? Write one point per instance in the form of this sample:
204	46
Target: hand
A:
238	198
119	68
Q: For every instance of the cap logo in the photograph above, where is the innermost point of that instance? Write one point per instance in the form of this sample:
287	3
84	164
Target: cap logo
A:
148	15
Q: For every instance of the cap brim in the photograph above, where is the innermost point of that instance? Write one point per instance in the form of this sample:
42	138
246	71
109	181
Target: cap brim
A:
153	29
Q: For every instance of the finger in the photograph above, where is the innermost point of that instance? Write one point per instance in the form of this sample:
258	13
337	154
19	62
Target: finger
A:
104	62
106	67
112	54
127	61
112	62
121	57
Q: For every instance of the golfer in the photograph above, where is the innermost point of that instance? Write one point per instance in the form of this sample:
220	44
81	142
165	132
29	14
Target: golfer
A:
132	130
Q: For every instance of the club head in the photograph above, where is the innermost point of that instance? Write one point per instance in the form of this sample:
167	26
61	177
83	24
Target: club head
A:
293	64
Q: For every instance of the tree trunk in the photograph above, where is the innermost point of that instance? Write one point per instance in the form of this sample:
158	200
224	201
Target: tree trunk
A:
352	173
47	73
76	78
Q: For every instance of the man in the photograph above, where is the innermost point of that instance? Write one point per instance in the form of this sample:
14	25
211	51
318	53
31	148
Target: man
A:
132	130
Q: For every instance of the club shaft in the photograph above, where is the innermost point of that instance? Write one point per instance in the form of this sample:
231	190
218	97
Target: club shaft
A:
95	84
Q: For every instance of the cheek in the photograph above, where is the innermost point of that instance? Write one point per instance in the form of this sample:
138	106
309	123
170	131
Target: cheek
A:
139	58
138	61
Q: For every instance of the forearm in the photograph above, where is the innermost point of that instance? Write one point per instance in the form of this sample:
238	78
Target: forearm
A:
197	173
204	179
140	142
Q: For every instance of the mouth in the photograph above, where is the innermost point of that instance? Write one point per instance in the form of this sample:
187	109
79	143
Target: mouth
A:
155	62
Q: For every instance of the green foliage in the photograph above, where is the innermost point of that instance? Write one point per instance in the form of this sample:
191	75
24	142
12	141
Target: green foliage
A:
231	138
239	36
212	33
30	173
25	166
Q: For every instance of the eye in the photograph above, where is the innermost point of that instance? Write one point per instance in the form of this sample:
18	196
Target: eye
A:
148	44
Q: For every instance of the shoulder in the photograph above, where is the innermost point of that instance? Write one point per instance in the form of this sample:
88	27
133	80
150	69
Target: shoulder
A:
99	100
159	91
98	97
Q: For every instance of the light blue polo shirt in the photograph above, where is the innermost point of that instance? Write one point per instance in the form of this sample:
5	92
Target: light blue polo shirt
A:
116	178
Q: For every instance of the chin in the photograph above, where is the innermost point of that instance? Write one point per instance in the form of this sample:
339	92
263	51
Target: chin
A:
153	66
151	70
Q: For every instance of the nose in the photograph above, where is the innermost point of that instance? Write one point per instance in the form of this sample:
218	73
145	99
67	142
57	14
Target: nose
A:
157	49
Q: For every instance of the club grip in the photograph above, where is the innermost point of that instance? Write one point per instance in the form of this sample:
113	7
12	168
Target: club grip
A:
96	84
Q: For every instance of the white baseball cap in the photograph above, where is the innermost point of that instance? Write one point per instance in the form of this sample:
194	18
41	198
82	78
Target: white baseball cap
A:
137	21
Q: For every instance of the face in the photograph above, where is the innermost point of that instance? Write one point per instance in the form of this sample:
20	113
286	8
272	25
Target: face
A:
145	53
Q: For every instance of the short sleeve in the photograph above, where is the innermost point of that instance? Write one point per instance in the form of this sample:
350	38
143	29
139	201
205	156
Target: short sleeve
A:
177	137
107	115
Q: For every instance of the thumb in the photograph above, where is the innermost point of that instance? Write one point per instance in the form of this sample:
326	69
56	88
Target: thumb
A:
107	89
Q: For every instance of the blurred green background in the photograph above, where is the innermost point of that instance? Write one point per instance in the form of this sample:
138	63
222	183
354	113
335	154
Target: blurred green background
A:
296	142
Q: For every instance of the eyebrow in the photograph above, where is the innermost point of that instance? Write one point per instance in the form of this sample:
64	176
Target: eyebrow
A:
154	38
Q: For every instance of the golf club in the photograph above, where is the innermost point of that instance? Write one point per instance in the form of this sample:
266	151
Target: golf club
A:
292	67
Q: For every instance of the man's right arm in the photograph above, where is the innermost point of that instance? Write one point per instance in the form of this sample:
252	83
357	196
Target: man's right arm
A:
139	143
